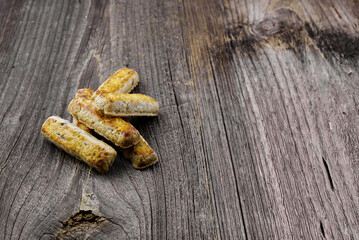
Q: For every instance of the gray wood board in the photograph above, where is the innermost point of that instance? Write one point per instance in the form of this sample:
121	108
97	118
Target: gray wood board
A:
257	135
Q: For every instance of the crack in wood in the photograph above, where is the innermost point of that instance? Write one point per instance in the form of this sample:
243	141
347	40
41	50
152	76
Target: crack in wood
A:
328	174
322	229
230	152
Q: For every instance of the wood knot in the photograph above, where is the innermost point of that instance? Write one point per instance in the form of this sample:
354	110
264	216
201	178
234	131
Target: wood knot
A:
281	20
79	225
283	29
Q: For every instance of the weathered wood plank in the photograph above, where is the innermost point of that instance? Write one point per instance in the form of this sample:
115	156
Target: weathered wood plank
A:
257	135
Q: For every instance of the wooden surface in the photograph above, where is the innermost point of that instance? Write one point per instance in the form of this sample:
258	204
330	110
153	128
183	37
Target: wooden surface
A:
257	135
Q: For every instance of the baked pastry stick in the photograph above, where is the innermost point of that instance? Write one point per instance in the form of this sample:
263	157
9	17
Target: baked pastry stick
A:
86	92
141	155
123	105
79	143
116	130
77	123
122	81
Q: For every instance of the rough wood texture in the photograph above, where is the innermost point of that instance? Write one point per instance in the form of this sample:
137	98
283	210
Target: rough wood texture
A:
257	135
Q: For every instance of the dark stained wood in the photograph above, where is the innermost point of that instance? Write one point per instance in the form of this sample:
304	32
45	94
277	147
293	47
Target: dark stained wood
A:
257	135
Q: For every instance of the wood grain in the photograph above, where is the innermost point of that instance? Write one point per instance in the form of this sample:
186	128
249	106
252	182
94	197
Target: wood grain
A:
257	135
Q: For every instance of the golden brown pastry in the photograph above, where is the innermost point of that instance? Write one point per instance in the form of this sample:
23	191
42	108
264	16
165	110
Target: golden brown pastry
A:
79	143
77	123
86	92
122	81
116	130
141	155
123	105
